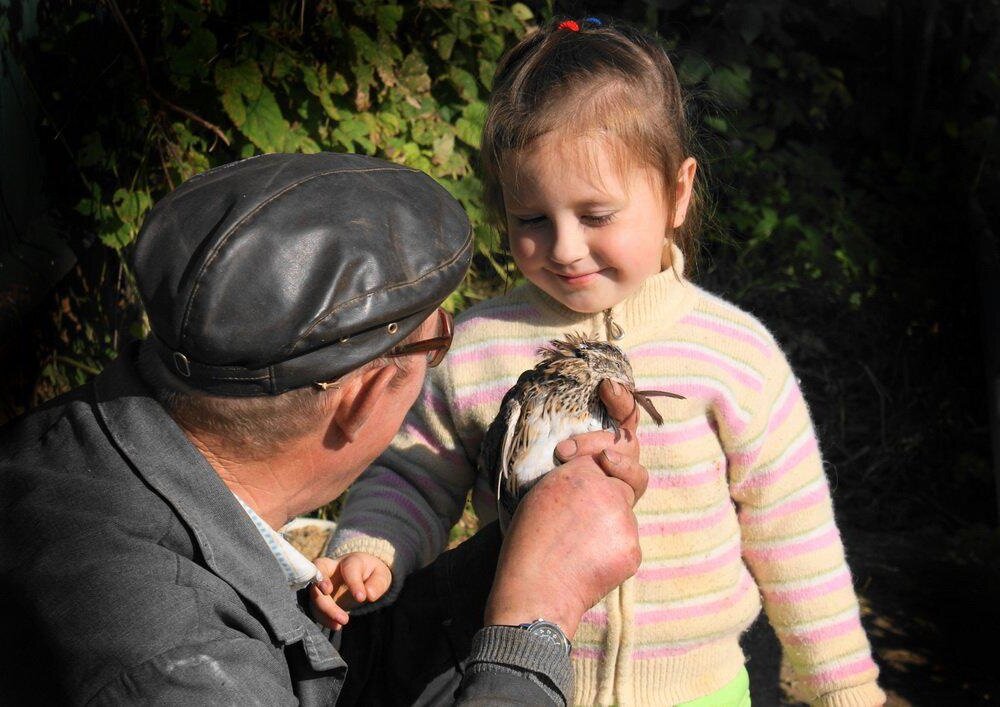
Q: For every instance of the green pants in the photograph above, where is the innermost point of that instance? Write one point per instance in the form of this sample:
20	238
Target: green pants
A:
735	693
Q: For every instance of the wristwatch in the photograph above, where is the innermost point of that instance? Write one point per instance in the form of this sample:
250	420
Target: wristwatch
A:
549	631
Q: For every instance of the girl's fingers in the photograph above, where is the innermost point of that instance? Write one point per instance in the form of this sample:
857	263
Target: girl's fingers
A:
377	584
331	578
326	611
353	576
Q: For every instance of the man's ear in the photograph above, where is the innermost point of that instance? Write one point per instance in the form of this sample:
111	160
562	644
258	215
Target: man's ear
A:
360	397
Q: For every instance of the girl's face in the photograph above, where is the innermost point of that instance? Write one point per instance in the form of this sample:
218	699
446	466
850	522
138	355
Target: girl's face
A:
584	230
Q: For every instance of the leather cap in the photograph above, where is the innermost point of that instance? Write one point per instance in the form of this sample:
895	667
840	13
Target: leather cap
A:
278	271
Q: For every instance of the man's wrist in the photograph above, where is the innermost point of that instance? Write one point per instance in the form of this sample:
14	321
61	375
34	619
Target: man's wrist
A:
517	615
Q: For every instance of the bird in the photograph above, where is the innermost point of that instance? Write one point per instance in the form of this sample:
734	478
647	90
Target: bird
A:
553	401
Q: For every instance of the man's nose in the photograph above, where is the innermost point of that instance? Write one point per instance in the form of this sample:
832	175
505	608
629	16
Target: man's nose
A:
569	242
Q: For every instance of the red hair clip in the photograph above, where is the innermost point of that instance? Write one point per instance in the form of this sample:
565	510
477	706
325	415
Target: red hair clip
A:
570	25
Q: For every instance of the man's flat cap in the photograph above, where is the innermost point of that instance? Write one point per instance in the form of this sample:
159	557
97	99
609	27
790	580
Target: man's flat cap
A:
278	271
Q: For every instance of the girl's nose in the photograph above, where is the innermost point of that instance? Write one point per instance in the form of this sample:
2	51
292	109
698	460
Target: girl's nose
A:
569	243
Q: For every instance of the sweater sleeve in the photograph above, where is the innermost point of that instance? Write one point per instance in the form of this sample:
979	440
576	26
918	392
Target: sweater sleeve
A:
793	548
403	506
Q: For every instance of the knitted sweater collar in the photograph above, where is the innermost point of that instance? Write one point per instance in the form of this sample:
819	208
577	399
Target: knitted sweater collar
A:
660	300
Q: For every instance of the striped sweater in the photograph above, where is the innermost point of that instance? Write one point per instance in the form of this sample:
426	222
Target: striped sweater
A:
737	511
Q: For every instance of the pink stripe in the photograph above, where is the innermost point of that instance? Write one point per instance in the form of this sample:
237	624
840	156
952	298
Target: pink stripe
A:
746	458
506	313
491	350
394	497
692	430
837	674
824	633
595	617
652	653
817	495
666	480
731	332
655	574
770	476
587	653
686	352
794	395
686	525
424	437
688	612
484	396
794	549
728	412
804	593
433	401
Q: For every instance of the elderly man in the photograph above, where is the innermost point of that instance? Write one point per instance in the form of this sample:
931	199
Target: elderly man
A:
293	302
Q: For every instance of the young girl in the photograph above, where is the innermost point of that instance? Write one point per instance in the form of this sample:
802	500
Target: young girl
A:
587	171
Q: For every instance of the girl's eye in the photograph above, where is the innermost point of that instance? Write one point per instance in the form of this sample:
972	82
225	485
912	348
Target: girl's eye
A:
529	220
602	220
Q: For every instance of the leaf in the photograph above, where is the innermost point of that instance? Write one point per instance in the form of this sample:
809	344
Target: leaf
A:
693	69
387	17
717	124
464	83
131	206
521	11
732	84
235	82
413	73
445	44
469	128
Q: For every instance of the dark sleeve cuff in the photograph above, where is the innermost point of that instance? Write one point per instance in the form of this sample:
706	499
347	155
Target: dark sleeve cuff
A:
514	647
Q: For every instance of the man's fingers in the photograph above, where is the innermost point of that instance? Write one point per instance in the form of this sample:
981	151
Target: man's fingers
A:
620	403
626	469
591	443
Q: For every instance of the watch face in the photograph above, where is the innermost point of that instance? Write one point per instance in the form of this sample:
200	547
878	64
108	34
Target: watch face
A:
550	632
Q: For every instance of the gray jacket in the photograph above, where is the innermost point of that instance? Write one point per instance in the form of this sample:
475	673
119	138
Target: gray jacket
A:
130	573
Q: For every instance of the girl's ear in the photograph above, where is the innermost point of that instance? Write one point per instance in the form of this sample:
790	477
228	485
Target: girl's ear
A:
684	190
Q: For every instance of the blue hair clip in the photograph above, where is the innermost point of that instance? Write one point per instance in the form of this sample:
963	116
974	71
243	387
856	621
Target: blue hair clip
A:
593	21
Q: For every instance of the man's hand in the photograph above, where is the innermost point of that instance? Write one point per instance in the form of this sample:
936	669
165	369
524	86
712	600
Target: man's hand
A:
574	537
619	451
349	581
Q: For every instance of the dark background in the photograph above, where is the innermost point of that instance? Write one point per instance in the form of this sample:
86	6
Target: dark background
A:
851	202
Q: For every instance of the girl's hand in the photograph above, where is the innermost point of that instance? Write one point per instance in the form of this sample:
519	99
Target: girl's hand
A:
348	582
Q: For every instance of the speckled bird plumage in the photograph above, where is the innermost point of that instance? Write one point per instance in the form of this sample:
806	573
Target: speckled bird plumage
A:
553	401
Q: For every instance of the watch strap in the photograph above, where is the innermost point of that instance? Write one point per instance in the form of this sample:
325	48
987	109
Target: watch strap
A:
515	647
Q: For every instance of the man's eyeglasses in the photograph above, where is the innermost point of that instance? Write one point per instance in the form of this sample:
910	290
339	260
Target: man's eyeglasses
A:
436	347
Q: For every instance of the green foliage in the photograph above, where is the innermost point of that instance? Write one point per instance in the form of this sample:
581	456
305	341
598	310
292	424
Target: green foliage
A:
183	86
401	81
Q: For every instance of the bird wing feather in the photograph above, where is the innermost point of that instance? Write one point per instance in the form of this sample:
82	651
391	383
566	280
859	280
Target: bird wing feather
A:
504	465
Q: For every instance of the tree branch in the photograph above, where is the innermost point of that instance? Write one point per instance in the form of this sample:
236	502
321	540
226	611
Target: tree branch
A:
144	69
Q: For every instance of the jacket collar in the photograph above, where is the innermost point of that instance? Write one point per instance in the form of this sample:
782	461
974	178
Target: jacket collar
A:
231	546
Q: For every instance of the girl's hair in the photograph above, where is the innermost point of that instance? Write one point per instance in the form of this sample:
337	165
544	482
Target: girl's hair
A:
613	80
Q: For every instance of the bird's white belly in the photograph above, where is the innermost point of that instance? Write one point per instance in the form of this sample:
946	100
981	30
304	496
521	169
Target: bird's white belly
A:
548	431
